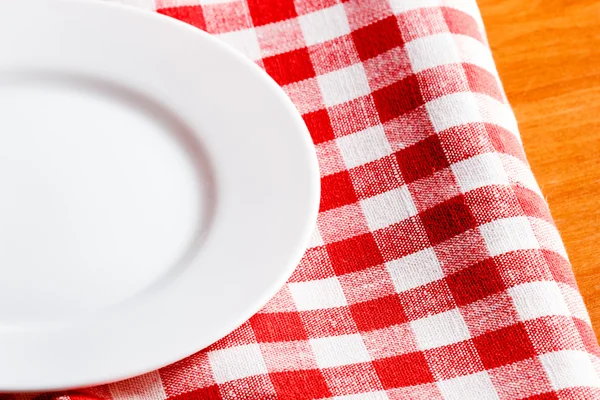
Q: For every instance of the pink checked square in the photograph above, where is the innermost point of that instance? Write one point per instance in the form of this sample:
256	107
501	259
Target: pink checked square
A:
342	223
482	81
351	379
409	236
187	375
422	22
447	362
448	78
288	356
408	129
330	159
281	302
427	391
369	284
376	177
390	341
483	203
522	266
470	143
554	333
328	322
504	141
387	68
532	204
227	17
461	251
419	302
520	380
235	389
307	6
489	314
280	37
461	23
357	17
334	54
354	116
435	189
314	265
306	95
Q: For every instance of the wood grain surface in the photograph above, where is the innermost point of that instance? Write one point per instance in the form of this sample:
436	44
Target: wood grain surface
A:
548	56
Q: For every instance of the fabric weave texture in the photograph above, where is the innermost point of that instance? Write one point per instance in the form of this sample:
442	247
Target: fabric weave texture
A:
435	270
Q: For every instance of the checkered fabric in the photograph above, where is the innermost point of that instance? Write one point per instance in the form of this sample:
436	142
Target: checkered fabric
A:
435	271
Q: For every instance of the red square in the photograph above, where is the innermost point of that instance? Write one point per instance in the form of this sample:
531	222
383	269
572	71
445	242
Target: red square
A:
289	67
491	203
453	360
504	346
352	379
328	322
319	126
278	327
404	370
401	239
426	300
447	219
475	283
421	159
266	12
398	98
545	396
354	254
379	313
376	177
336	191
298	385
461	23
207	393
482	81
377	38
193	15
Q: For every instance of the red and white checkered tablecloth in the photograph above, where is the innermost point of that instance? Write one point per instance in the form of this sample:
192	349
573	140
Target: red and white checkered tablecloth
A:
435	271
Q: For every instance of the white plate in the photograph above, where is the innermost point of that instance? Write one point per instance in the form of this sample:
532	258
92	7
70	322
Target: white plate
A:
157	188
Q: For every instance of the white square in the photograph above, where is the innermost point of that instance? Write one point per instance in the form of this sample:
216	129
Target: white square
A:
400	6
344	84
365	146
335	351
509	234
316	239
388	208
244	40
432	51
497	113
144	387
415	270
474	52
381	395
452	110
316	295
237	363
469	387
482	170
569	368
574	302
520	172
538	299
324	25
440	330
547	236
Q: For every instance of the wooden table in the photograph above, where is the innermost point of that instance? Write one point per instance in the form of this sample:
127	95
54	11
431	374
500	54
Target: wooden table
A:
548	56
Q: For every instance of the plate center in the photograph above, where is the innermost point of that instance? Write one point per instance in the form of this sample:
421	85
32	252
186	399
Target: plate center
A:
99	198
